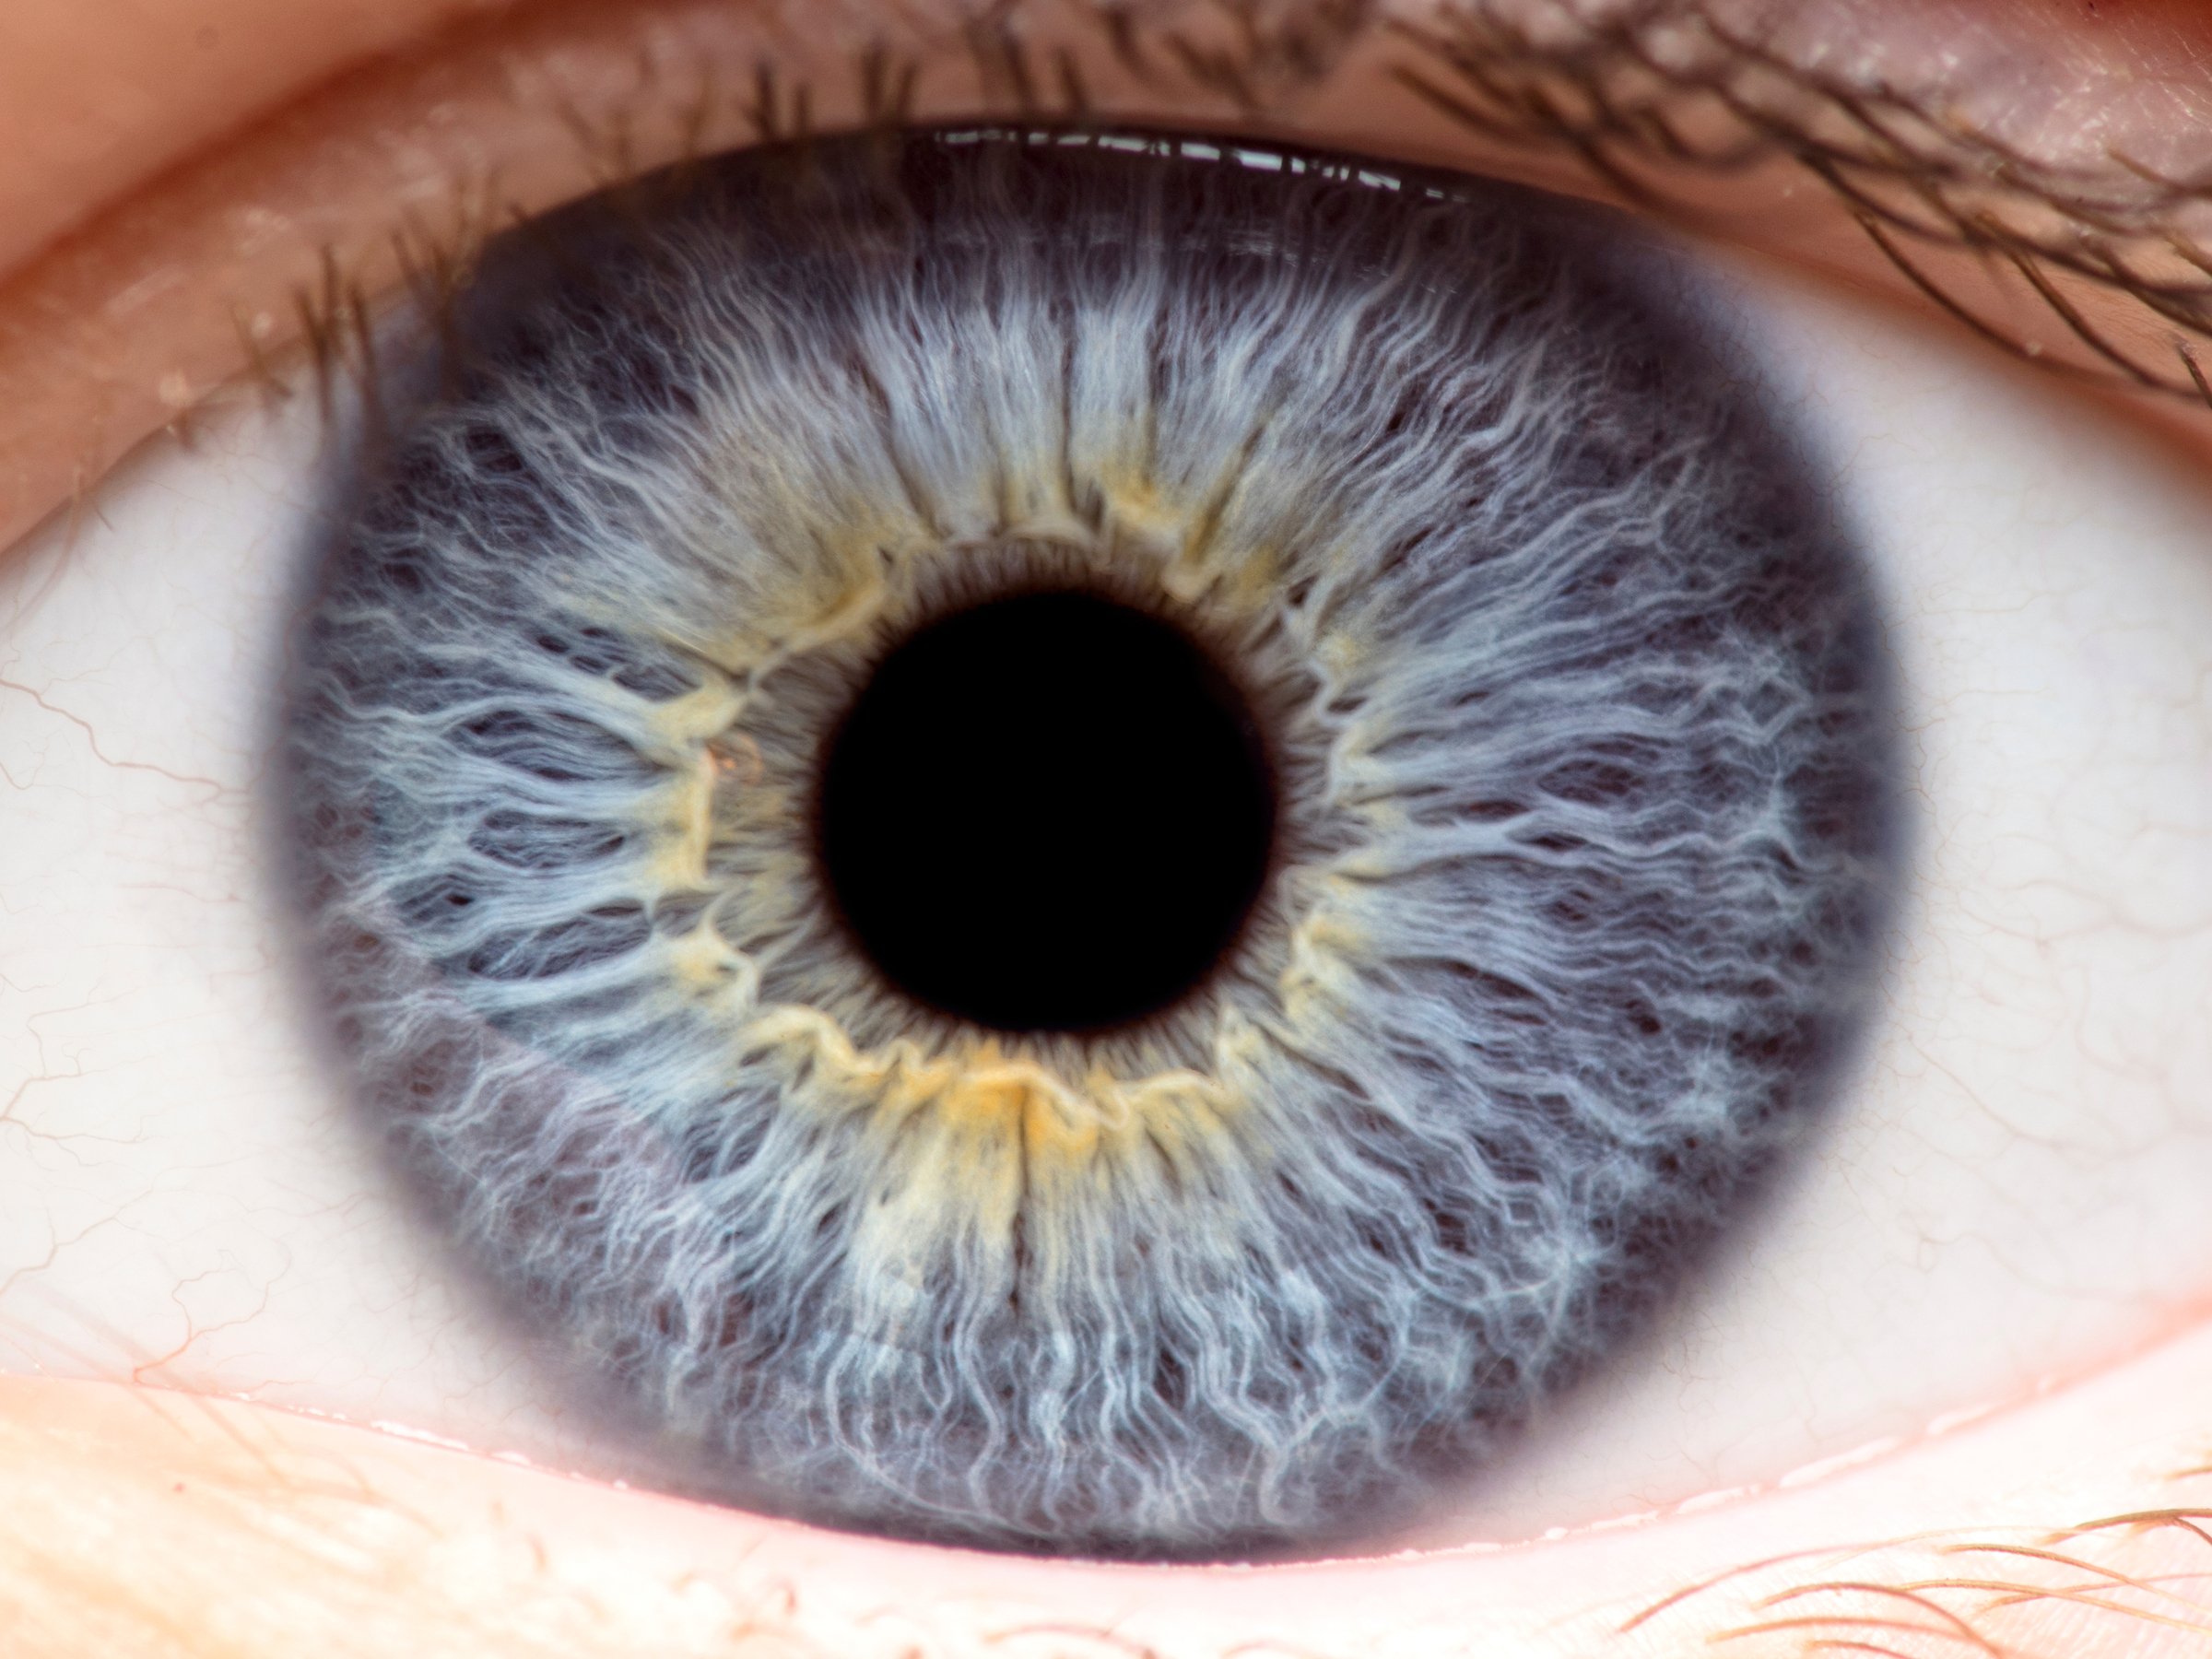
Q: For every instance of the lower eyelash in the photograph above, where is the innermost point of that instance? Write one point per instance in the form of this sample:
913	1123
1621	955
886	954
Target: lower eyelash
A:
1582	804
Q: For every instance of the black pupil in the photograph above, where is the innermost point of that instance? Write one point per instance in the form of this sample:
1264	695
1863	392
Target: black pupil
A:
1050	812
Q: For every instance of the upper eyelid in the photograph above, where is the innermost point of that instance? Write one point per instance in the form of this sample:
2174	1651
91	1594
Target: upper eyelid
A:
1635	122
1670	86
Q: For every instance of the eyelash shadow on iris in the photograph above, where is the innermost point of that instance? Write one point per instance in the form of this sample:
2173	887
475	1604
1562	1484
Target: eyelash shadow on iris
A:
1057	844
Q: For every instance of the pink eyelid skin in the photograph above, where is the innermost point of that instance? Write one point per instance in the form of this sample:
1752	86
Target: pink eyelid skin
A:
144	1522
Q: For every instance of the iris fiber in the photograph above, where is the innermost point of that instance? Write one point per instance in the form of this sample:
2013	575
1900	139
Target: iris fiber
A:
1563	686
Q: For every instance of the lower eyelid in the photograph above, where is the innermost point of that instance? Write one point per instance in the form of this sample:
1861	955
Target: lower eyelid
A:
387	1545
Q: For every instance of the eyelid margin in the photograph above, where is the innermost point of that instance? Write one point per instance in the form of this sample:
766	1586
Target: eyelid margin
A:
281	244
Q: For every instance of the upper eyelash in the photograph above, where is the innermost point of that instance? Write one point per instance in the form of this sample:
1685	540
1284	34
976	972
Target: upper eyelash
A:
1624	96
1627	96
1659	86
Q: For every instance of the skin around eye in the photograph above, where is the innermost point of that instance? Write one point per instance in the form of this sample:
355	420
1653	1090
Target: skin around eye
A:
1102	1604
93	112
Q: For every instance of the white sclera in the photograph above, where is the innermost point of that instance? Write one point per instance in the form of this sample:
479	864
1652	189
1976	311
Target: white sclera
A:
2011	1186
185	1195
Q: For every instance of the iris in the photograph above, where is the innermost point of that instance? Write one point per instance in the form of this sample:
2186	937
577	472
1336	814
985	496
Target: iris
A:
1062	841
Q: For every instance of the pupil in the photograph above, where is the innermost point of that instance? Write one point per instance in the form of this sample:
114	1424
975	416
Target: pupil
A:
1049	812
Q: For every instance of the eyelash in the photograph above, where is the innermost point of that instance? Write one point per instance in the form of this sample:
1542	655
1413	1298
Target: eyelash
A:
1901	173
1631	122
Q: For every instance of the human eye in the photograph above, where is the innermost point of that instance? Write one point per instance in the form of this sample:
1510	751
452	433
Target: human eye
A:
842	1594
